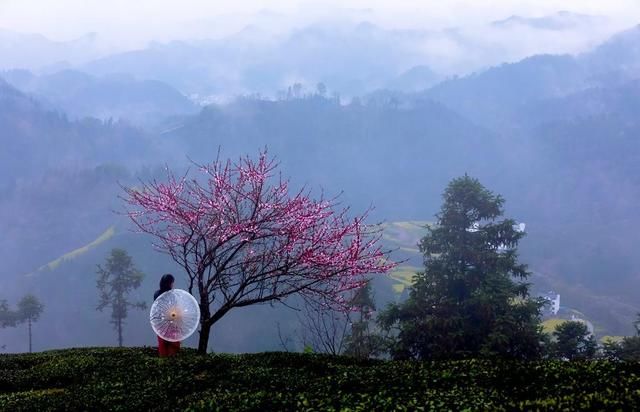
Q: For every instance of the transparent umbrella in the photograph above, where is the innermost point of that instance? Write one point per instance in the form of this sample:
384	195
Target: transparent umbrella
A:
175	315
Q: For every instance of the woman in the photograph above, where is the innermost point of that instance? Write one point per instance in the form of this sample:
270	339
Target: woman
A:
166	348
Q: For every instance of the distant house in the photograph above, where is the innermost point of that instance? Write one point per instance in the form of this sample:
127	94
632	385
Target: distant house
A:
553	302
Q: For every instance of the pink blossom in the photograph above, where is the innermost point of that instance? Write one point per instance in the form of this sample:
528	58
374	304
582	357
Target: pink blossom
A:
244	238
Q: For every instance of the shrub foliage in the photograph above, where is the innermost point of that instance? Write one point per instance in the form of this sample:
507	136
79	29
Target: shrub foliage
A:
136	379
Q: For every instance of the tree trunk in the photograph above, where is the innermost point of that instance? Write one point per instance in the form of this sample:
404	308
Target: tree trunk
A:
30	347
203	342
205	324
120	332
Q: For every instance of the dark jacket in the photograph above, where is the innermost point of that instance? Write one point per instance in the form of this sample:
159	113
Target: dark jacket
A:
158	293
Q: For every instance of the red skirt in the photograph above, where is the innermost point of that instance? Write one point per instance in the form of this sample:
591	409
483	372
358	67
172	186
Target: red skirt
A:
166	348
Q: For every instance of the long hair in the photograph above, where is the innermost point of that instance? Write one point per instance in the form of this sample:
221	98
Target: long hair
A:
165	284
166	281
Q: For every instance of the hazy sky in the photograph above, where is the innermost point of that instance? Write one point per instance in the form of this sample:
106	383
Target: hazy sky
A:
134	22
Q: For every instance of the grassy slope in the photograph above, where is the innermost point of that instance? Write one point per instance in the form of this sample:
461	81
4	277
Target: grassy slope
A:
404	237
549	325
403	277
135	379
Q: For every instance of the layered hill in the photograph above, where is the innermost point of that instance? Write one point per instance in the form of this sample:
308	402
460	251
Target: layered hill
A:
115	97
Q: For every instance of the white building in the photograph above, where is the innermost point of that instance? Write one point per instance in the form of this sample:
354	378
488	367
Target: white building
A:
553	300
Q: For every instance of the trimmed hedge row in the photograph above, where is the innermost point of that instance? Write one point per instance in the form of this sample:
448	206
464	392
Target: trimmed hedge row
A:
136	379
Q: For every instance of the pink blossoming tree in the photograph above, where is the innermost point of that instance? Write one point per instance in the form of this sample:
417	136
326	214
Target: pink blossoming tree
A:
244	239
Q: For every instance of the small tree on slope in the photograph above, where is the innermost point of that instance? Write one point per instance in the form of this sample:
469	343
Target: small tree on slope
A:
573	341
29	310
8	318
118	277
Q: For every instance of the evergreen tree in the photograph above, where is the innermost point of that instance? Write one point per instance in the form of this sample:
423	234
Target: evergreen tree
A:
471	300
29	310
115	281
574	341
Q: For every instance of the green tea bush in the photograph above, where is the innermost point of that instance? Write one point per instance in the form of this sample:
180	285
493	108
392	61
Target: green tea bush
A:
126	379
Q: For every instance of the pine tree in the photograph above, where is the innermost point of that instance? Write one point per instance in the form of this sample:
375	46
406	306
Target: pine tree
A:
471	300
115	281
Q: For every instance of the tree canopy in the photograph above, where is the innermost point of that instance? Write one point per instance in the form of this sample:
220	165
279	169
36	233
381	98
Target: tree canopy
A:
471	299
574	341
243	238
8	317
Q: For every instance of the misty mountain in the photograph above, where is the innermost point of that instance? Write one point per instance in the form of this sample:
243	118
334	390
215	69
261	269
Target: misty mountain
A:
346	58
415	79
183	66
617	59
617	101
62	211
571	177
48	139
572	127
561	20
58	176
363	149
117	97
584	205
34	51
493	96
490	97
350	58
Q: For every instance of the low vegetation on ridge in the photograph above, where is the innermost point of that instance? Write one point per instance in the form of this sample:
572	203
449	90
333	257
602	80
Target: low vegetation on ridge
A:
136	379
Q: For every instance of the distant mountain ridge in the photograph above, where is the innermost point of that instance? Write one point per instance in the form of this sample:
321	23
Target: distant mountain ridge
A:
31	130
352	59
618	56
58	178
117	97
35	51
492	96
561	20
